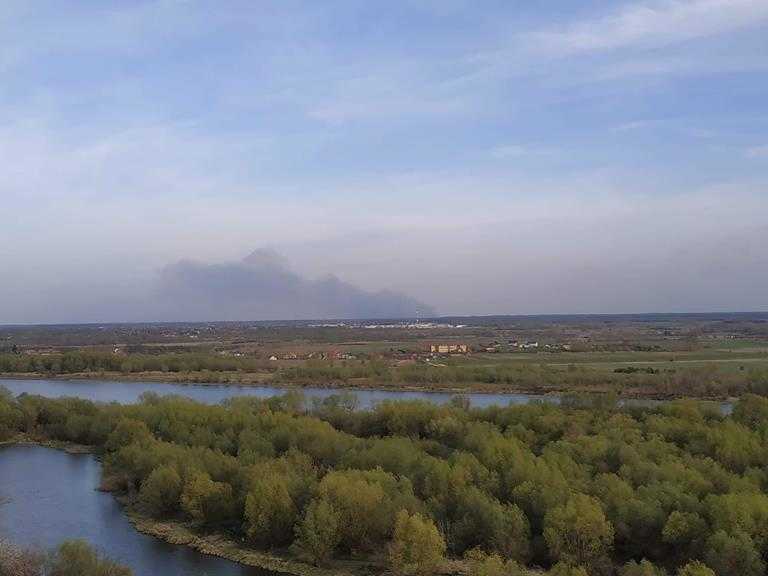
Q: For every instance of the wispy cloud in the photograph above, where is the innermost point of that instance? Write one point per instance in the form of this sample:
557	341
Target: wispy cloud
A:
505	151
631	126
509	151
662	40
652	24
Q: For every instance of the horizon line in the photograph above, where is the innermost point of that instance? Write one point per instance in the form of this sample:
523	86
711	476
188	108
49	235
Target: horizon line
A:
400	319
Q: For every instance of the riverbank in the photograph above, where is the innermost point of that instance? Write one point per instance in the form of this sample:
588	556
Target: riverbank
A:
184	534
30	440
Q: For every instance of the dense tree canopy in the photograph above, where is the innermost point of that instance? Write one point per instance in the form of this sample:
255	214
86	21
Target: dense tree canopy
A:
583	488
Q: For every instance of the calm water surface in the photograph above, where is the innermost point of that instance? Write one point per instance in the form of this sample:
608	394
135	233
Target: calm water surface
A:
129	392
49	496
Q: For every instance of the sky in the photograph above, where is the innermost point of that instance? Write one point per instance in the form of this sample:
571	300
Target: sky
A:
244	160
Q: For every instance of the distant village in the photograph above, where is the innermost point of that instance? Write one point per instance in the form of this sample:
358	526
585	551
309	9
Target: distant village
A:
424	353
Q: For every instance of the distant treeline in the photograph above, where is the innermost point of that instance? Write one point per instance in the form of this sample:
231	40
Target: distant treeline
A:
528	377
702	382
80	361
587	488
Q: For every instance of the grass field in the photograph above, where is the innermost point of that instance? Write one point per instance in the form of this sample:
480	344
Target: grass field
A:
611	360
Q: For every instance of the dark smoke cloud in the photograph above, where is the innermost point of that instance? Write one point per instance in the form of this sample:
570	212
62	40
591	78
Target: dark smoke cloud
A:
262	286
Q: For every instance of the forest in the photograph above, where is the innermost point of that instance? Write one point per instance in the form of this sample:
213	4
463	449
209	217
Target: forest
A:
587	487
84	361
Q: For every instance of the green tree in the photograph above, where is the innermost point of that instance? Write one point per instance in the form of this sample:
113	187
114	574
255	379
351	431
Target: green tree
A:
10	415
752	411
484	564
578	533
683	528
484	522
367	503
642	568
128	431
695	568
417	546
195	492
318	534
729	554
685	531
270	512
77	558
160	492
208	502
565	569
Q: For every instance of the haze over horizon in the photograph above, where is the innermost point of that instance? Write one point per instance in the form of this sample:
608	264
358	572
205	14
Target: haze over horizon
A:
168	160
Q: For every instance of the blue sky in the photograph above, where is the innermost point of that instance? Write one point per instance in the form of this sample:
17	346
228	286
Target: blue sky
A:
480	157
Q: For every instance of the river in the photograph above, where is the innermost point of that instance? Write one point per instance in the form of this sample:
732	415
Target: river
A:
49	496
129	392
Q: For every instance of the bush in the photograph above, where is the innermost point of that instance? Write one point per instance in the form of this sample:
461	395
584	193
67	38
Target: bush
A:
695	568
482	564
642	568
77	558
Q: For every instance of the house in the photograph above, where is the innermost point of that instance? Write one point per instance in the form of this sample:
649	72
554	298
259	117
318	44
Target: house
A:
449	349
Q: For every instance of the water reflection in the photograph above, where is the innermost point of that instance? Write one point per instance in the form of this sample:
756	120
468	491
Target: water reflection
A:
129	392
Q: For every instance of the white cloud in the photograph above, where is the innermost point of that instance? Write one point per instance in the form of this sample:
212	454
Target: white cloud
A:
651	24
650	40
631	126
506	151
509	151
